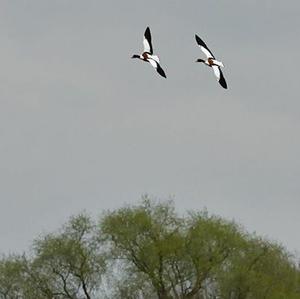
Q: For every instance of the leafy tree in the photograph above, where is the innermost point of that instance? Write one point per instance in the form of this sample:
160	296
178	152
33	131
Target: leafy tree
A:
146	237
176	255
11	277
210	242
68	264
260	269
148	251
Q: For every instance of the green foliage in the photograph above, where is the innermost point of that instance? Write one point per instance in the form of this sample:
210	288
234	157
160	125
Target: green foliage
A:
68	264
260	269
210	242
11	278
148	237
198	256
148	251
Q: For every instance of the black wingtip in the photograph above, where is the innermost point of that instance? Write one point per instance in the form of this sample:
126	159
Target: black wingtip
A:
161	71
200	42
198	39
223	82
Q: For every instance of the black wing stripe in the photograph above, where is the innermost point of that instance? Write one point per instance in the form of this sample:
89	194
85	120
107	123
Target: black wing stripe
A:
222	80
148	38
200	42
160	71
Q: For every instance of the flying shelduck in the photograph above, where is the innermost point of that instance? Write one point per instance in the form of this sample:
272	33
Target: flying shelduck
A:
211	61
148	56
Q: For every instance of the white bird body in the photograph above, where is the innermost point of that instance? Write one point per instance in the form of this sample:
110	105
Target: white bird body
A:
155	58
218	63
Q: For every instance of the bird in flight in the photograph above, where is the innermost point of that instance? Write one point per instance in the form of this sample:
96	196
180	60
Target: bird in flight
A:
148	56
211	61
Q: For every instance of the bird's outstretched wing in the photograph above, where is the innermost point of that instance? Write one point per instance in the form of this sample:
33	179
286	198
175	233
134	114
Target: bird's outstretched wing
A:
158	68
147	41
204	47
220	76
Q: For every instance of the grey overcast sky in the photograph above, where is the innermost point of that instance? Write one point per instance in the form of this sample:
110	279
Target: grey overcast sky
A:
84	127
